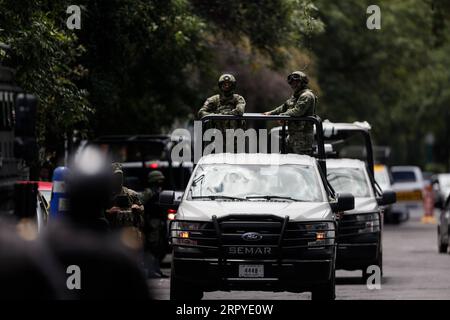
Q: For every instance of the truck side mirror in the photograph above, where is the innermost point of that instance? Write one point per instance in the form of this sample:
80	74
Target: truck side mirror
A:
388	197
344	202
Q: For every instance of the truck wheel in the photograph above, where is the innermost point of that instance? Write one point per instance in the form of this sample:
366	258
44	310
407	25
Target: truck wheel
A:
181	291
442	247
326	291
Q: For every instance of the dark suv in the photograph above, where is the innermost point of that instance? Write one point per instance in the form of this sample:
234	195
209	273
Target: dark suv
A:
141	154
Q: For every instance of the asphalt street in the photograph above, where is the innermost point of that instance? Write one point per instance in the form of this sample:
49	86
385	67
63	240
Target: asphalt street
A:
413	269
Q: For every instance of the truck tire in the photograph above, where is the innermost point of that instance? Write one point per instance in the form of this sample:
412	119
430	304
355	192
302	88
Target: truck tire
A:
182	291
326	291
442	247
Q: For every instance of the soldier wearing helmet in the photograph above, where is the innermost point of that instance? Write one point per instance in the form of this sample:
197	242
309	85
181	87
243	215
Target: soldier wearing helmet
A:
127	209
227	102
301	104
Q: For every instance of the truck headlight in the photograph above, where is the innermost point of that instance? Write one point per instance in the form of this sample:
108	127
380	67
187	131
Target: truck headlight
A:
320	233
370	222
184	232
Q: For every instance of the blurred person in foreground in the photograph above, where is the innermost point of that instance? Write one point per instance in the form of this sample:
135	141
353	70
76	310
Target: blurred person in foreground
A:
155	228
107	260
37	265
27	270
302	103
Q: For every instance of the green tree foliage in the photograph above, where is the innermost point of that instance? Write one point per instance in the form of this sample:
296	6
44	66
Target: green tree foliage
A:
45	55
269	25
394	77
140	55
136	65
153	61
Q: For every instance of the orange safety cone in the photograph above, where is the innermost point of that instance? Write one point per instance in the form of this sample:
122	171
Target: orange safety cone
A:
428	205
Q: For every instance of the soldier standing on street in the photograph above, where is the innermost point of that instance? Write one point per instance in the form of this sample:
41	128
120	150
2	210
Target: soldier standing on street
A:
227	103
301	104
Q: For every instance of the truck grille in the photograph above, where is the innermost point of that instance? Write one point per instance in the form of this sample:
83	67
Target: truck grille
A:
275	236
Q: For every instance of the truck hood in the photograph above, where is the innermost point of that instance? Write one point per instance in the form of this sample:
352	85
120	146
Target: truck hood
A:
297	211
364	205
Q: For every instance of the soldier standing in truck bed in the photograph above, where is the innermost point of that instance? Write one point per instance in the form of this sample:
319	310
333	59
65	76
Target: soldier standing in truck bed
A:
301	104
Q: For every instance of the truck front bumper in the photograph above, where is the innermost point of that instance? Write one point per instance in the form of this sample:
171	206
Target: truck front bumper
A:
287	275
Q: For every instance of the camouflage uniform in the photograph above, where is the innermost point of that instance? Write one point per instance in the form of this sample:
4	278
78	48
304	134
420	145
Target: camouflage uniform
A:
301	104
228	103
127	217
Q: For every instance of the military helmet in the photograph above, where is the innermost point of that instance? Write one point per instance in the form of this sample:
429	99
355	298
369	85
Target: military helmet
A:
226	77
116	168
156	176
298	76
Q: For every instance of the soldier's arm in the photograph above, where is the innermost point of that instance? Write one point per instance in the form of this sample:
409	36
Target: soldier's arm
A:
277	110
240	106
137	210
207	108
136	203
304	103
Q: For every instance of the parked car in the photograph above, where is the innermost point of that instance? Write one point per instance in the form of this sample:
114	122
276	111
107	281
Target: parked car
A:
409	185
141	154
441	186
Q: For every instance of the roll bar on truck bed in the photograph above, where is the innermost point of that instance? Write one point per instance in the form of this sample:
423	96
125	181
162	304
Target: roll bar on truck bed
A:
316	120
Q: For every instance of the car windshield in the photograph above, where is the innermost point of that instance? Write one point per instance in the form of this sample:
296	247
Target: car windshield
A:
349	180
404	176
256	182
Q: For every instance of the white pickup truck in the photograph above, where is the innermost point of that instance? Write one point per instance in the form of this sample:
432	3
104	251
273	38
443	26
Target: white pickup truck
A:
360	229
255	222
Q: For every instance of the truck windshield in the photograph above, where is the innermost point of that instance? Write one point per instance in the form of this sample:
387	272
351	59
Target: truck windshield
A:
349	180
256	182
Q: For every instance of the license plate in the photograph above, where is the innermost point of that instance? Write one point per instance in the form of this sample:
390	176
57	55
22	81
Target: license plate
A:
251	271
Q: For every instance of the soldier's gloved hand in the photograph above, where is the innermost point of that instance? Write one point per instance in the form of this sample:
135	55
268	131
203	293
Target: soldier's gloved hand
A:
136	208
235	112
113	210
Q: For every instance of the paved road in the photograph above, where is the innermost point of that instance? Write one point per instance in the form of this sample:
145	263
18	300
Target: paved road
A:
413	269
